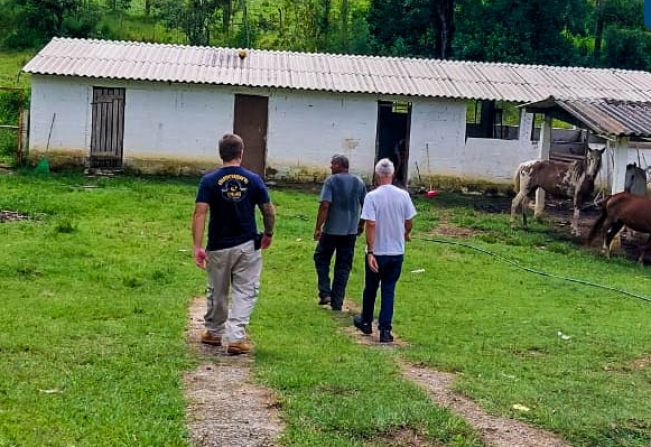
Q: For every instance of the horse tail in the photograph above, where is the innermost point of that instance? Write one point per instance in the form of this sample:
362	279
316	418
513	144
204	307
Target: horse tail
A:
516	179
599	223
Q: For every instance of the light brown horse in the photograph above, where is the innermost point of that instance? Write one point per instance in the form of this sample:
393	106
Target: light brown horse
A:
619	210
574	180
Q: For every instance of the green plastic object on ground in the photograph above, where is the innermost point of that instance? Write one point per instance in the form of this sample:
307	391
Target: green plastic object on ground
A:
43	167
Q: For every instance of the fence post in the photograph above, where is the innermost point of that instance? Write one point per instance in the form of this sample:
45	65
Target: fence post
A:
544	145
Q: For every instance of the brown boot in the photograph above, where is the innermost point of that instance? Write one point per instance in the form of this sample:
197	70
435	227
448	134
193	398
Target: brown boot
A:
210	339
239	347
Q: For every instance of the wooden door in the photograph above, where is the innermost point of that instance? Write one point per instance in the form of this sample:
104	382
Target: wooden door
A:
107	134
251	116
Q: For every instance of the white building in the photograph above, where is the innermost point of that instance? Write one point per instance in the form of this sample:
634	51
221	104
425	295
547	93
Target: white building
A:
155	106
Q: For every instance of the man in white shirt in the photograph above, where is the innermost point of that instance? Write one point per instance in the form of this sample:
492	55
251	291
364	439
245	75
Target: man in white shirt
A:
388	213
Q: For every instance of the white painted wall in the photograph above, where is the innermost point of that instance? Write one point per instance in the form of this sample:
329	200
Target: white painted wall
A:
179	120
160	120
70	101
306	129
439	131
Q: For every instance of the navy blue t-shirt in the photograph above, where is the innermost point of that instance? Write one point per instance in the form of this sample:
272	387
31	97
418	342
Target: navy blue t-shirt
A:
232	194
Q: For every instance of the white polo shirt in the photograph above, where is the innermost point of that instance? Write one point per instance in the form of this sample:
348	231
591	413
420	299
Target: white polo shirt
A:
389	207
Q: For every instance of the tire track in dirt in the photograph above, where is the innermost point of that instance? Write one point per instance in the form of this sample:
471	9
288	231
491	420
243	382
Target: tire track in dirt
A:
494	430
225	408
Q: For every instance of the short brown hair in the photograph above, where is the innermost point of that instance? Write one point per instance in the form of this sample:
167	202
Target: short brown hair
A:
230	147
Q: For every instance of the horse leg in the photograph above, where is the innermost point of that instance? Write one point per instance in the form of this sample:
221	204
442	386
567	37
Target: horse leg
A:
647	247
578	203
519	203
611	232
575	221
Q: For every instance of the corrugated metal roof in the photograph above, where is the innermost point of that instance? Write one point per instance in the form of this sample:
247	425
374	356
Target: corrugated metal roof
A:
336	73
604	117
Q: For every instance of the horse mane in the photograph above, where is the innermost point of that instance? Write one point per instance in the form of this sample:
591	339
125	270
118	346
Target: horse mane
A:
578	168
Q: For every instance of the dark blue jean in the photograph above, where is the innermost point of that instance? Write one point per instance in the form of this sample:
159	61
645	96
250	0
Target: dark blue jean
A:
344	247
386	278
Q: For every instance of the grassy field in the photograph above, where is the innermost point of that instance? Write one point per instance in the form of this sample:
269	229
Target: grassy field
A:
96	284
10	64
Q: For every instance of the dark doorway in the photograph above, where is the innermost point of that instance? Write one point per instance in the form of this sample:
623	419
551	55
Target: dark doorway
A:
251	115
394	121
107	135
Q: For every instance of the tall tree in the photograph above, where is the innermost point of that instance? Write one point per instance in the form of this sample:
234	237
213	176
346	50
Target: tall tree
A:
425	27
444	14
535	31
599	29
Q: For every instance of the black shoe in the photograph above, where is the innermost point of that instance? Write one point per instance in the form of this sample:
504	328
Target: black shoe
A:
336	309
364	327
385	336
324	300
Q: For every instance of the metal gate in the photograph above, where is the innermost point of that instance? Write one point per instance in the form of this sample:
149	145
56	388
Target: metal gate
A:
107	135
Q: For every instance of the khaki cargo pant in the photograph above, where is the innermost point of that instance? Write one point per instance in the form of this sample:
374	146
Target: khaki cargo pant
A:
236	269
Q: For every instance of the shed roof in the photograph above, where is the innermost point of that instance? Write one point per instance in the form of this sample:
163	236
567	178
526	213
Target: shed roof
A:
333	72
604	117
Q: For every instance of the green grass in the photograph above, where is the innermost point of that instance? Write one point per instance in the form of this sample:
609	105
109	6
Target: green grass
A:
94	306
125	26
95	294
499	327
11	62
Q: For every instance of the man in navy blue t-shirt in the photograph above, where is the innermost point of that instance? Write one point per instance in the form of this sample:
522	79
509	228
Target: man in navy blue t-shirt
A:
232	257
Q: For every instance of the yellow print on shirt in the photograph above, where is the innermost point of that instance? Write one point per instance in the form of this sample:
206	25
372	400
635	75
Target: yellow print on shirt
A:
233	187
236	177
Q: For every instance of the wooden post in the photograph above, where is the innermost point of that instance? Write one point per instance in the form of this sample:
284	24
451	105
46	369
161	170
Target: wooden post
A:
544	146
24	135
620	157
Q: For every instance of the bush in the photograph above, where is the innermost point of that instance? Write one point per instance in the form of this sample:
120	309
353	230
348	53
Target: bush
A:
9	111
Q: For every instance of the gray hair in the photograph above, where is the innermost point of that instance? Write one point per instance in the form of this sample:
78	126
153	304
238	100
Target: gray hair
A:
341	160
384	168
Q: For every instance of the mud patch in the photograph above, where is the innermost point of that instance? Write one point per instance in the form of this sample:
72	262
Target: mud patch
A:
494	430
644	362
403	436
12	216
446	229
225	408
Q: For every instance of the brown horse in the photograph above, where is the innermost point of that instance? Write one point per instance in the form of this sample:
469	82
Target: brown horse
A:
619	210
574	180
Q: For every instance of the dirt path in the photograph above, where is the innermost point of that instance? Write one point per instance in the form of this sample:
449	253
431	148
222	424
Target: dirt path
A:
225	408
494	431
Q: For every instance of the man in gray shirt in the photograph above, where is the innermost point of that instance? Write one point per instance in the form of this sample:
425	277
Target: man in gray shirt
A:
337	226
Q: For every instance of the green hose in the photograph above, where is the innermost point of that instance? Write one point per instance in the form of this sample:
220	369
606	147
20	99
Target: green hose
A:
537	272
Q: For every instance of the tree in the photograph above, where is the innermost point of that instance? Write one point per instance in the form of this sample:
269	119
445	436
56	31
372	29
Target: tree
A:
535	31
425	27
622	14
31	23
446	28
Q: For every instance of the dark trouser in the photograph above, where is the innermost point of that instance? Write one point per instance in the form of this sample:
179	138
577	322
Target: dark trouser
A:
387	277
345	247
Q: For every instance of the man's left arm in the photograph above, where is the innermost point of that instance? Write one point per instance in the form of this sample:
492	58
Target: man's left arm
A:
410	213
362	196
269	222
409	224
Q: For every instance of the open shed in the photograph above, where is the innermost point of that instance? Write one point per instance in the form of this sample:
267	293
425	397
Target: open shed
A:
624	126
147	106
